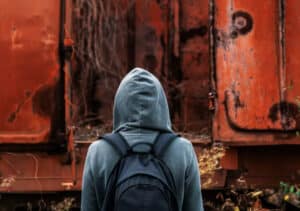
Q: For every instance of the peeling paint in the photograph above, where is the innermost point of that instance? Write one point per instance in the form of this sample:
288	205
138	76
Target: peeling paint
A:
16	38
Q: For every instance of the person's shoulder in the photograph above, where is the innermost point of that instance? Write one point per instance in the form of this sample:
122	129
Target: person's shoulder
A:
179	155
183	142
99	147
182	146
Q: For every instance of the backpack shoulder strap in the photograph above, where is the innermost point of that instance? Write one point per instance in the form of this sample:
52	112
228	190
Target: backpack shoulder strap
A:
162	142
117	141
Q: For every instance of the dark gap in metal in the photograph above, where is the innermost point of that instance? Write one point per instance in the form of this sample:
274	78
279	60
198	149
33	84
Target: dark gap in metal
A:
51	148
212	45
173	61
58	122
212	68
282	23
167	61
131	24
282	62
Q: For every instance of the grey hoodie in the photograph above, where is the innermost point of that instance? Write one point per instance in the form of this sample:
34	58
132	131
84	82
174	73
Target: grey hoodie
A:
140	113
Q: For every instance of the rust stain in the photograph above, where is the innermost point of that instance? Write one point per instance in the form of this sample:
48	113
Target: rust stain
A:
150	61
237	101
14	114
287	113
247	56
151	26
43	101
193	32
242	22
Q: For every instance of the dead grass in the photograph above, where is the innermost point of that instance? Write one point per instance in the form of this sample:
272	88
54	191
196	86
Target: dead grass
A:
64	205
209	161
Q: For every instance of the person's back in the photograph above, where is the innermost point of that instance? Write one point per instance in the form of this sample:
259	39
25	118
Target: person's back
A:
140	114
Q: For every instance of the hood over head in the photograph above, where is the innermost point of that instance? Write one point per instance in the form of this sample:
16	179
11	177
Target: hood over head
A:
140	103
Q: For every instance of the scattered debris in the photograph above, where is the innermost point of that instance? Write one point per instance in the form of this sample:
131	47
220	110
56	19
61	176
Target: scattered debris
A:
64	205
7	182
285	198
209	158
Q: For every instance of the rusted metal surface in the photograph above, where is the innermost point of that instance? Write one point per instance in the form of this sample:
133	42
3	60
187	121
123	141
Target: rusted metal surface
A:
242	59
104	53
266	166
41	172
255	87
292	63
194	64
230	159
255	72
151	30
171	40
30	69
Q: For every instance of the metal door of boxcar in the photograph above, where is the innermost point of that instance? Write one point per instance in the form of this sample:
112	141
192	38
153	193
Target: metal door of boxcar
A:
257	71
29	69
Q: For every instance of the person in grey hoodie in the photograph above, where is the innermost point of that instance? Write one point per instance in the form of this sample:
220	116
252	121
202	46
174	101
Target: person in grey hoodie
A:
140	113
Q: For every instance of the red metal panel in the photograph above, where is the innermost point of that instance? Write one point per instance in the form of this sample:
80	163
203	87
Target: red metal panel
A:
28	50
194	45
256	72
151	35
195	62
292	63
266	167
230	159
40	172
247	62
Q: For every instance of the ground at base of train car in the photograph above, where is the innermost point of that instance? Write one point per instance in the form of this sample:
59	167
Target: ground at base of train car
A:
56	201
284	198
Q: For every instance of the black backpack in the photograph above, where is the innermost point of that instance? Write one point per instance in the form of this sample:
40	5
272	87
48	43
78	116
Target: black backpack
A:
140	181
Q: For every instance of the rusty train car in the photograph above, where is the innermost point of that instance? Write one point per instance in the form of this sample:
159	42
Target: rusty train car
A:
229	67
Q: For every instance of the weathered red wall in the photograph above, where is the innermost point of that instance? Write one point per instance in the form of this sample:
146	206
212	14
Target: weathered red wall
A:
30	70
170	39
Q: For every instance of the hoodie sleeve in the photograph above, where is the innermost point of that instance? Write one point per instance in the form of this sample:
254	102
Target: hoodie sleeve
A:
88	195
192	195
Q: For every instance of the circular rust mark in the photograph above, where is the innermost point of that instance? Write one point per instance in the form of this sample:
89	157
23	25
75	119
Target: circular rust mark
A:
43	101
242	22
